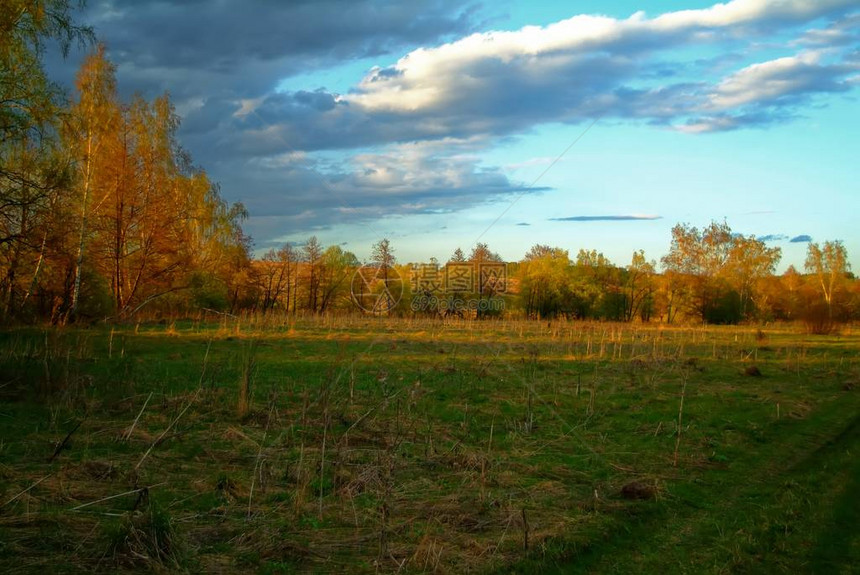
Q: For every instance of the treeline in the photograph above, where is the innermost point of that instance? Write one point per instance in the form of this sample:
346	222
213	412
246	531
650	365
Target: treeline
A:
708	276
102	213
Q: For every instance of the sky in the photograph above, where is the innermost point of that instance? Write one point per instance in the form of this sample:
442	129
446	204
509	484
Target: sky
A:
578	124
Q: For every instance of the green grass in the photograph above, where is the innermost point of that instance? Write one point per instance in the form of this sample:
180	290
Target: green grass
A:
383	445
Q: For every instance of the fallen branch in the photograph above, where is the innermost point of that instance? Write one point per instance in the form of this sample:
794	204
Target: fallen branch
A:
127	435
62	445
365	416
169	427
108	498
219	312
25	491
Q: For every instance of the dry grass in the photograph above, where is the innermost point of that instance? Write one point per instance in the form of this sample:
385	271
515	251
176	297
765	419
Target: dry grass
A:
360	447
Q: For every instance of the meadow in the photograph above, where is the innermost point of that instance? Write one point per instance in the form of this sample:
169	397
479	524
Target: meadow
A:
345	444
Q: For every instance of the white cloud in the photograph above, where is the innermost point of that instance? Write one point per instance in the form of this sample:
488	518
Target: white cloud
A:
770	80
532	162
770	91
840	32
740	12
432	78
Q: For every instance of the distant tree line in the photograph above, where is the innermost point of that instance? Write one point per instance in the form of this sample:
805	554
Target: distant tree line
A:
103	216
708	276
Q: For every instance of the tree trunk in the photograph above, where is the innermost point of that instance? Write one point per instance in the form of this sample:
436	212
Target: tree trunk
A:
79	260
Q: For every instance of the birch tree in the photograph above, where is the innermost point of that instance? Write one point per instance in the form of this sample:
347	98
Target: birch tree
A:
94	120
828	264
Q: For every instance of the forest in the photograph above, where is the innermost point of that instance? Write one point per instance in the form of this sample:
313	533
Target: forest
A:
105	217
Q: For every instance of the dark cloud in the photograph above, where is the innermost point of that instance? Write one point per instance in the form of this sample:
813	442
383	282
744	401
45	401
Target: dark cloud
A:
801	239
523	224
324	121
206	118
773	238
606	218
245	47
298	192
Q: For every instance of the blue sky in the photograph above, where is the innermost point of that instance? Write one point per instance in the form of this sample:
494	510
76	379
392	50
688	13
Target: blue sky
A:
439	124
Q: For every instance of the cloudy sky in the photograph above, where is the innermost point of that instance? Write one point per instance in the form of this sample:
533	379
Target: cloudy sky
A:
579	124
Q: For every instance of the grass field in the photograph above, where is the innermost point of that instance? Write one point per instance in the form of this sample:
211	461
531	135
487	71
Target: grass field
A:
365	445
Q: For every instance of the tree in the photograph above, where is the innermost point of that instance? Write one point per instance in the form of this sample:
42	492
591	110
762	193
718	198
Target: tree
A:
337	267
696	261
32	210
219	247
695	257
486	275
544	281
639	287
34	171
829	266
717	273
94	119
288	259
29	103
157	257
539	251
749	262
312	252
382	255
234	247
101	211
596	286
458	256
151	224
272	279
482	253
